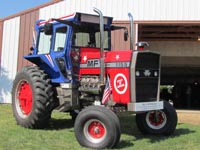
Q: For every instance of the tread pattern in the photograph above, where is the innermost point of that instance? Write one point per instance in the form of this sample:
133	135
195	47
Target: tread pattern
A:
42	97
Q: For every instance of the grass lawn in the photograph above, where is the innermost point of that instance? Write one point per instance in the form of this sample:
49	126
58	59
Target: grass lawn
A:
60	135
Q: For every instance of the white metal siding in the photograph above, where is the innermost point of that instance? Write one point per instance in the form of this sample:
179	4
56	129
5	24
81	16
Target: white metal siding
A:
108	7
141	9
9	57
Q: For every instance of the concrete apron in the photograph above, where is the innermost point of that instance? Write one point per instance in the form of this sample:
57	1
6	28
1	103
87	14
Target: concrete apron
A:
189	116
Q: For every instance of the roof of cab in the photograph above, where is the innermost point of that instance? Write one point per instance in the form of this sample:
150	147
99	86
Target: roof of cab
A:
78	18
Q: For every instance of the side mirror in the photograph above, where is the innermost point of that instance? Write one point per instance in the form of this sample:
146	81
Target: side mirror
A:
48	28
126	35
31	48
31	51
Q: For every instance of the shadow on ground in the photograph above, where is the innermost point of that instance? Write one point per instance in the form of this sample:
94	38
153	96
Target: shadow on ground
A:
59	124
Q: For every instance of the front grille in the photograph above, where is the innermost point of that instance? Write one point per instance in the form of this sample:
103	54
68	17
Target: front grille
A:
148	60
147	71
146	89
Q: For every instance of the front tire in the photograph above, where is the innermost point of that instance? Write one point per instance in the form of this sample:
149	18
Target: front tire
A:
158	122
97	127
32	98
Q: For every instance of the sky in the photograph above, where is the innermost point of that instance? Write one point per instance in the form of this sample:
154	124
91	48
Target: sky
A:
10	7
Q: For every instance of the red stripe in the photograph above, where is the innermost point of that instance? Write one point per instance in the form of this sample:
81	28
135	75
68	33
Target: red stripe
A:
61	18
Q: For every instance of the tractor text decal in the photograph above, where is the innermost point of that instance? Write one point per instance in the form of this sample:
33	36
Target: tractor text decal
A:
120	83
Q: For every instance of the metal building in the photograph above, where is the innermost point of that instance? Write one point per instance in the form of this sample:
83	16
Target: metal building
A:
172	27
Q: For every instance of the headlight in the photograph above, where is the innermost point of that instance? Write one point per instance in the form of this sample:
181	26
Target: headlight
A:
137	73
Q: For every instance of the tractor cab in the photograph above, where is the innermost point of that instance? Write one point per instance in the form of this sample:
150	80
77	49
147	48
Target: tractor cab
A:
60	41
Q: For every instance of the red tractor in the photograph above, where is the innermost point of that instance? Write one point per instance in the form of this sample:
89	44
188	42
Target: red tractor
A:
76	71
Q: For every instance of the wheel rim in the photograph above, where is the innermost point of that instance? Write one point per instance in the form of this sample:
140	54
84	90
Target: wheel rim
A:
24	98
156	123
95	131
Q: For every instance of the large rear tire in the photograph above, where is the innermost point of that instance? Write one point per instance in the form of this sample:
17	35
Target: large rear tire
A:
32	98
97	127
164	122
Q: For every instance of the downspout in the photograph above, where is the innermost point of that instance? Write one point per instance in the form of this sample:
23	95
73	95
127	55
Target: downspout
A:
101	22
131	30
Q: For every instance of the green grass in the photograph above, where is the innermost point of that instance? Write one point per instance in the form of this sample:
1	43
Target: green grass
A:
60	135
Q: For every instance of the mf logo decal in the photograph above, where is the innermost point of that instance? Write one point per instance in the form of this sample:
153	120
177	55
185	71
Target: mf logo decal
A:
147	73
93	63
120	83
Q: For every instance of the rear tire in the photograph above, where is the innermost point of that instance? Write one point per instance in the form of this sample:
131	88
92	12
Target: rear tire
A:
97	127
32	98
165	124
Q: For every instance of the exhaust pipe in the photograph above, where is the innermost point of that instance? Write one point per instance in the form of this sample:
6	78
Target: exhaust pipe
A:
131	30
101	22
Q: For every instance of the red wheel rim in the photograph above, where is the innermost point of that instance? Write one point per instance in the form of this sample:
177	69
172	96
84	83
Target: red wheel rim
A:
156	122
153	120
96	130
25	97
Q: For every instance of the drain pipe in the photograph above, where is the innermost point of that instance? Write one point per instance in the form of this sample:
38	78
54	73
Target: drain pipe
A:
101	22
131	30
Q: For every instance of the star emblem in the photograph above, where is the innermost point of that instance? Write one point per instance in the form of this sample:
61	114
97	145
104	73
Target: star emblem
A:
84	58
117	57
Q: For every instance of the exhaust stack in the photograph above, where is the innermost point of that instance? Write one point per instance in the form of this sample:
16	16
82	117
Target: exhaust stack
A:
101	22
131	30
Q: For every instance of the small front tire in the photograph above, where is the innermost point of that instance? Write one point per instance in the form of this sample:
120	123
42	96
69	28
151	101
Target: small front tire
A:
158	122
97	127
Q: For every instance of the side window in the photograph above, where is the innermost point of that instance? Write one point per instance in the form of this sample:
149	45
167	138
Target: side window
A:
60	39
44	43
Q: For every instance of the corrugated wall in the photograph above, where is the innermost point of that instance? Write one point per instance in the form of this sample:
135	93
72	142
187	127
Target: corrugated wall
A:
27	27
117	37
141	9
9	56
108	7
1	35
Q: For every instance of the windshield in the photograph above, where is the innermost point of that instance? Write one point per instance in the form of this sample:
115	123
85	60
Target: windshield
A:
89	36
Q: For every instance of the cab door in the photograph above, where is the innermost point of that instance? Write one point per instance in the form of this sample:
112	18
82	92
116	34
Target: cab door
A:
52	51
60	51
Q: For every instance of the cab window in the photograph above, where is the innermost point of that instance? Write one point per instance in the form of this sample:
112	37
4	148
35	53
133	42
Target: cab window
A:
60	39
44	43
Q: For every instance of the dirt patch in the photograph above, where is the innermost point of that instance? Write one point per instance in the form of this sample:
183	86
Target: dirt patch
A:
188	116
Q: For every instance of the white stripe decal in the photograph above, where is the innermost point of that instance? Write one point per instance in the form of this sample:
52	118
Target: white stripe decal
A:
49	59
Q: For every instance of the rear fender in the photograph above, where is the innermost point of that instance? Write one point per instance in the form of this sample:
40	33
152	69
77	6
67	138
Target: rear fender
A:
46	63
